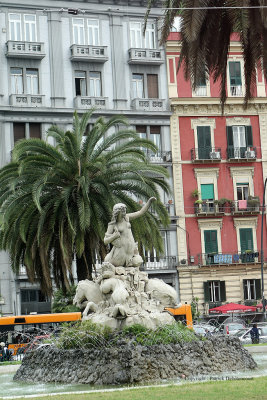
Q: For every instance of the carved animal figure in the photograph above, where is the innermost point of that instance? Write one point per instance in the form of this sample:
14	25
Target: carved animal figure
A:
162	292
88	295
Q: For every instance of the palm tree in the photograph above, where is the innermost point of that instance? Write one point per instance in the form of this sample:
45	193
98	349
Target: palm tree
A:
206	29
56	201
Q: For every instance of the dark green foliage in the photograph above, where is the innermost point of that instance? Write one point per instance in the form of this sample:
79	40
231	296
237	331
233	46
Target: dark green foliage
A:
63	302
56	201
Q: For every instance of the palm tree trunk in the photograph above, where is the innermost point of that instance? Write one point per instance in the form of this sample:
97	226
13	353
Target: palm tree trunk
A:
84	267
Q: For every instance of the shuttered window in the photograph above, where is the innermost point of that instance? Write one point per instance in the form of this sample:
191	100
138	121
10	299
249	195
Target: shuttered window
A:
248	136
35	130
246	239
252	289
18	131
152	86
235	73
214	291
207	191
211	244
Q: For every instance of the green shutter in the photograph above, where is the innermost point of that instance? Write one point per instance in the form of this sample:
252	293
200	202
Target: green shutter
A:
258	288
204	142
229	133
207	191
206	292
246	239
211	244
222	291
249	138
235	73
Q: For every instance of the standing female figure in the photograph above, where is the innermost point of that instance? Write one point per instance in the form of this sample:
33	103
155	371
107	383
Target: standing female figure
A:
119	233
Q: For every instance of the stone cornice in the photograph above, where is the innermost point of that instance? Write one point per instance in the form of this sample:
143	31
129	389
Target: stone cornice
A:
248	221
246	171
211	106
210	223
206	172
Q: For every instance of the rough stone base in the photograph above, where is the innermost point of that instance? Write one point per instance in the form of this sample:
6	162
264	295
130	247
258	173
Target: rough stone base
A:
130	364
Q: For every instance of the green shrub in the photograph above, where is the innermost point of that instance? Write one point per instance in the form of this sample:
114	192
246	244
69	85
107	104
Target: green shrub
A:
63	302
87	335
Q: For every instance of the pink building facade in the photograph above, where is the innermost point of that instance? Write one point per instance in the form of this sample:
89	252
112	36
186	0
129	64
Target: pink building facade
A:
219	164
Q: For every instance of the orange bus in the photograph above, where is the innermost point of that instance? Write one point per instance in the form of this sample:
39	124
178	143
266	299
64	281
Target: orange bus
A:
182	313
15	330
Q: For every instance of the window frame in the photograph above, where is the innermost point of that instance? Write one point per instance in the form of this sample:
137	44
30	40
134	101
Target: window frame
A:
30	30
96	37
14	78
78	31
241	61
10	21
140	41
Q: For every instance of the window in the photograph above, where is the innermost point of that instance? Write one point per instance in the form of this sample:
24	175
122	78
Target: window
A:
201	87
252	289
204	142
93	32
211	243
16	80
246	239
235	78
28	130
207	195
80	83
152	86
95	84
136	34
150	42
30	28
138	86
78	30
239	140
155	136
214	291
32	295
18	131
32	81
152	133
15	27
242	191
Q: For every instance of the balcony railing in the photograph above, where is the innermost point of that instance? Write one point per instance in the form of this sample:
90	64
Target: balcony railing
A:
160	156
101	103
25	49
27	100
245	207
88	53
247	257
241	153
160	263
149	104
206	154
208	207
201	91
146	56
236	90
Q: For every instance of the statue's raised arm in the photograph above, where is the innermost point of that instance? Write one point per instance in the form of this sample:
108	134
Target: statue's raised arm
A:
143	209
124	250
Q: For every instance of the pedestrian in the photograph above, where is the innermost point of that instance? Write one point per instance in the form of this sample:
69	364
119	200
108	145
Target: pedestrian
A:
208	333
255	335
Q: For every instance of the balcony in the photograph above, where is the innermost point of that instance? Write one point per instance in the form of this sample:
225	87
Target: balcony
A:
224	259
33	50
201	91
241	153
27	100
208	207
101	103
88	53
246	207
206	155
160	157
236	90
167	263
149	105
146	56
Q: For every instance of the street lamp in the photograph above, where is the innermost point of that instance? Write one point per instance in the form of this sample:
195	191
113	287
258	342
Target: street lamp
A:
262	255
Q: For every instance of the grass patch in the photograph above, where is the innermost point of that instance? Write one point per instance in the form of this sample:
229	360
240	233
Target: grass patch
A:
86	335
255	345
5	363
252	389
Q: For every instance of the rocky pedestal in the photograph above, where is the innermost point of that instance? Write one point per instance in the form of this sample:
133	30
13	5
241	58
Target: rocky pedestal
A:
128	364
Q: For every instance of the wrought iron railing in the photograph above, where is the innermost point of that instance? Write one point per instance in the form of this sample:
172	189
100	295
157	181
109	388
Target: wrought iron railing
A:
160	263
244	153
206	153
245	207
245	257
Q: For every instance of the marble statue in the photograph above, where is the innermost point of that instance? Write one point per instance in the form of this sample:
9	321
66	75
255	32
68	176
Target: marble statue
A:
125	250
122	295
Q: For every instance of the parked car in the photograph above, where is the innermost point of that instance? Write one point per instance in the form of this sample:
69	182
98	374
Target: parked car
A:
201	329
231	326
244	335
